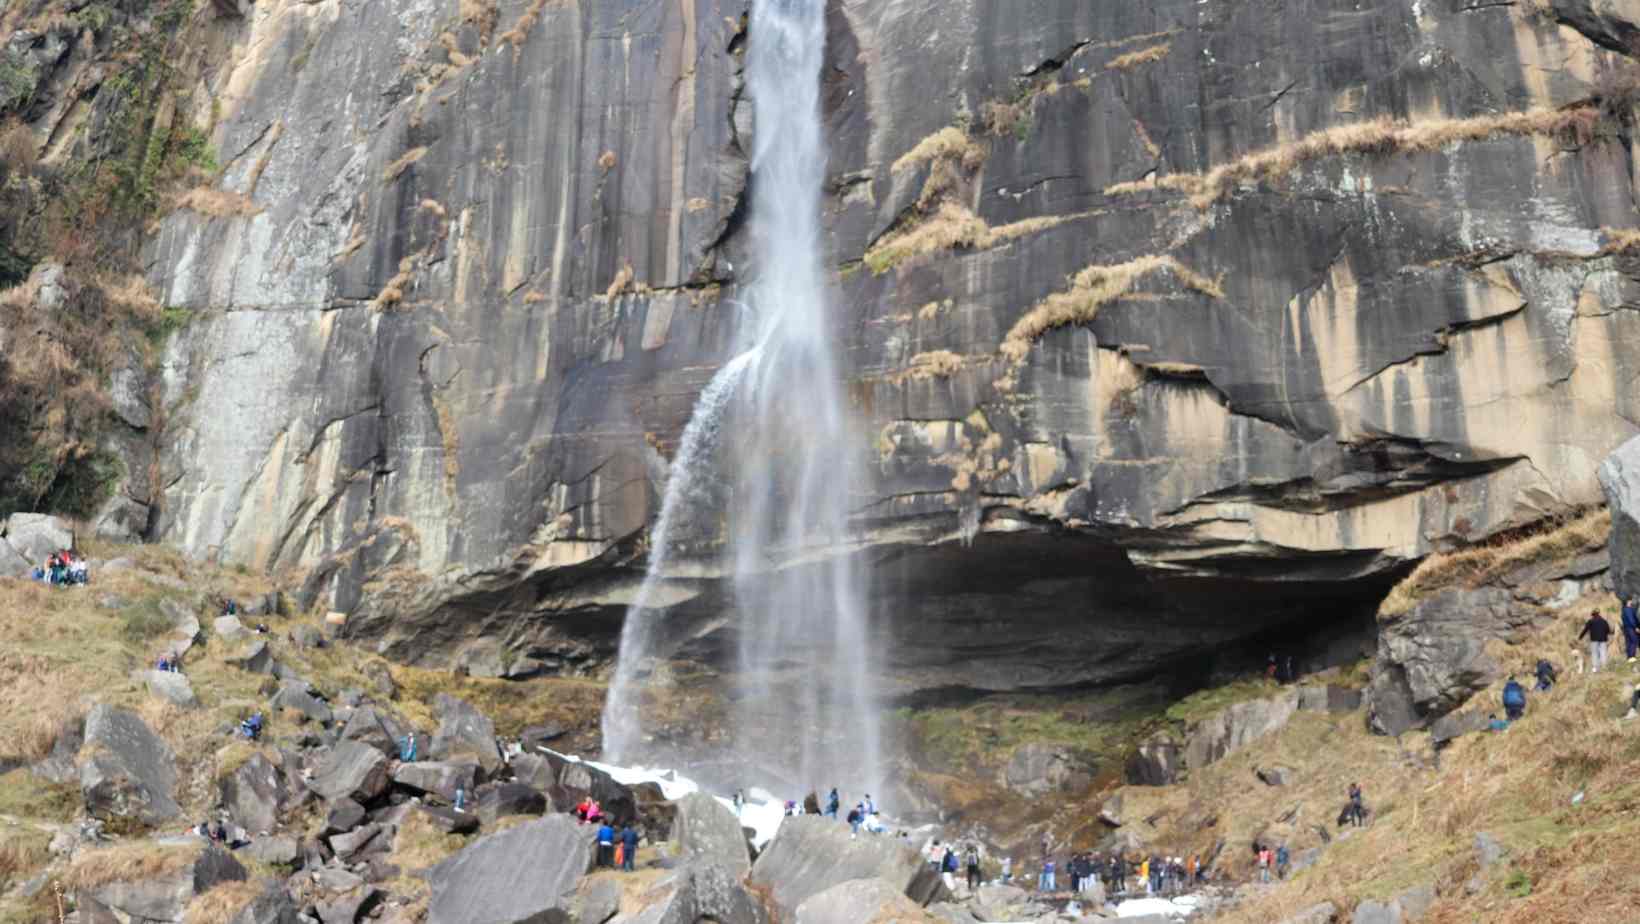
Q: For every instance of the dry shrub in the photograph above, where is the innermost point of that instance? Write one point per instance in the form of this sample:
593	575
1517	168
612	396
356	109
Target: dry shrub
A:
934	364
606	161
452	49
622	280
221	902
521	29
481	14
1002	118
533	297
1620	240
1135	58
393	293
217	203
18	150
1375	137
950	143
951	225
1495	557
1092	289
397	168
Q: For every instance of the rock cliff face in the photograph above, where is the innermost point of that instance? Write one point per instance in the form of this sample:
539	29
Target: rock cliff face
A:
1167	324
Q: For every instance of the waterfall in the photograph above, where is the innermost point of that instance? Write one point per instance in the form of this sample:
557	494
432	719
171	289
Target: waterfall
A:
804	700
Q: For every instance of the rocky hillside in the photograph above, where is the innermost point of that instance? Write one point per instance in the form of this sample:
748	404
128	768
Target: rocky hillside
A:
1199	319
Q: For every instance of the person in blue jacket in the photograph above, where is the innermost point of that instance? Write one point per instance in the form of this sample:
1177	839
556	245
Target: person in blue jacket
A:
1514	699
1631	627
629	848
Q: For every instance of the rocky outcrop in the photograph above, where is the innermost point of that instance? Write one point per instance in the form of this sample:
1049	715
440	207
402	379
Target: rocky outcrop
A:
129	770
1236	727
33	537
811	854
350	770
464	732
164	896
170	686
253	794
862	900
1620	479
1296	361
438	777
524	874
709	832
699	892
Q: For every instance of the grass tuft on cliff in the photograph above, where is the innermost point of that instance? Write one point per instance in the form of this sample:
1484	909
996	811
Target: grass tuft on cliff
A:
1475	565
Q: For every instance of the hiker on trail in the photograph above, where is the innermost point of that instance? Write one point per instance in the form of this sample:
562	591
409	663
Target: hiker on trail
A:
606	845
1283	858
629	848
1356	809
833	803
1007	870
1514	699
1599	632
1192	870
855	816
1158	867
973	867
1073	869
1546	676
1630	622
1264	864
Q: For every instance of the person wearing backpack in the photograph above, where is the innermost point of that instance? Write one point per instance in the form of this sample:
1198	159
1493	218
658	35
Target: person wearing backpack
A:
1514	699
1546	676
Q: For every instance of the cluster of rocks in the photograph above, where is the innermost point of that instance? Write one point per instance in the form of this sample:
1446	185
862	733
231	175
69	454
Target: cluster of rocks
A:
26	539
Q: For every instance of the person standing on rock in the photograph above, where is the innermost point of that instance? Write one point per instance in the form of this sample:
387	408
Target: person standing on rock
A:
629	846
1598	631
606	846
1630	622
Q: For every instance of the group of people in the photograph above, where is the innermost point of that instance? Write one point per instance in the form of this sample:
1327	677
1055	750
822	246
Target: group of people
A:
1598	632
588	811
63	568
617	849
1152	875
1272	861
862	816
169	662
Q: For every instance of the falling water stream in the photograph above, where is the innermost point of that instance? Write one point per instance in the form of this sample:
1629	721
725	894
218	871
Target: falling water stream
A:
773	425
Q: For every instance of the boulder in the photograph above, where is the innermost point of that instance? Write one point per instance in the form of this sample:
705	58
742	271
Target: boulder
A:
708	831
59	765
448	820
272	906
347	846
699	892
12	562
173	687
1457	724
1157	762
35	536
1620	480
524	874
171	877
131	771
437	777
1034	769
1274	776
343	815
379	679
655	815
1329	698
597	899
350	770
860	901
275	849
252	795
377	728
500	800
578	779
1405	908
535	771
1324	913
1237	726
296	696
257	659
536	735
463	731
229	628
347	907
811	853
306	636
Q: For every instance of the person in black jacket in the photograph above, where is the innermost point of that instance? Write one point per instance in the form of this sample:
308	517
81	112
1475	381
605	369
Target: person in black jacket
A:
1631	627
1598	631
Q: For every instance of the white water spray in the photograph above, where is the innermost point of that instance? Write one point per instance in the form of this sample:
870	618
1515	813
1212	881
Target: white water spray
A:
805	694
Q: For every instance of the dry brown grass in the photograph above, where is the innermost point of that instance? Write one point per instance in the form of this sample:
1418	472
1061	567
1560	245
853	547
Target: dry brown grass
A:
22	852
1135	58
18	149
621	282
1379	136
1620	240
481	14
521	29
419	844
934	364
129	862
217	203
393	293
950	226
1092	289
949	143
221	902
397	168
1476	564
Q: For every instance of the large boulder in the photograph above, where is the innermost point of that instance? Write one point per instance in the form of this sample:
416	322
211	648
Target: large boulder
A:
297	696
12	562
707	830
350	770
1237	726
1324	913
273	905
1329	698
438	777
252	795
1036	768
376	727
1157	762
699	892
36	535
524	875
1433	658
463	731
578	780
862	901
257	658
501	800
171	875
170	686
130	772
1620	480
535	771
811	853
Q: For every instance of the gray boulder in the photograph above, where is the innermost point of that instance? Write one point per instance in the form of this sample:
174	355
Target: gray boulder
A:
1236	727
699	892
501	800
437	777
275	849
524	874
35	536
1456	724
229	628
810	854
257	659
377	728
343	815
1157	762
59	766
253	794
463	731
1405	908
273	906
1274	776
1324	913
708	831
859	901
170	686
164	895
131	772
597	900
1620	479
449	820
346	907
535	771
1329	698
296	696
350	770
349	845
12	562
